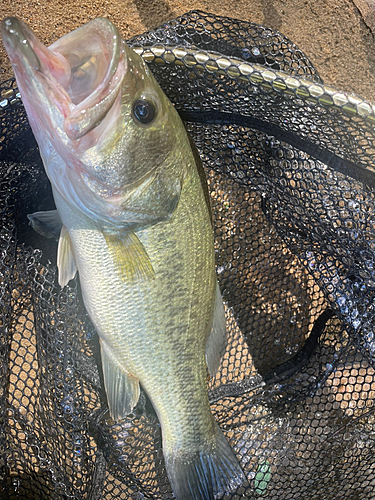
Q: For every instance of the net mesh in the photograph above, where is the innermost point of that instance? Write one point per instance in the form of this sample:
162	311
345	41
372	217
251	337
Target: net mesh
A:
290	174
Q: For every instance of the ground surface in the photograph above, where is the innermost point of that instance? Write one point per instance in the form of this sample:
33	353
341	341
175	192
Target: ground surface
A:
332	33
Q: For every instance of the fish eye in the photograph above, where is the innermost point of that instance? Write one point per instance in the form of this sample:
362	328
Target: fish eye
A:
144	110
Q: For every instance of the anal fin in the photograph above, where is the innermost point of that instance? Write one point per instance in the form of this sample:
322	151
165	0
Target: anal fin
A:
122	389
217	339
130	256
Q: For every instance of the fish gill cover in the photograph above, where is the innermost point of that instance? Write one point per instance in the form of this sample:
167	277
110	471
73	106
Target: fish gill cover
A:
290	170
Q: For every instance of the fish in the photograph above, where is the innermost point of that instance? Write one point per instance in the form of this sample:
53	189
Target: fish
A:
134	221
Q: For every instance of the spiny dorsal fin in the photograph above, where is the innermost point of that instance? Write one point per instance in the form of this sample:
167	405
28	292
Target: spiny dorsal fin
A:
130	256
47	224
65	258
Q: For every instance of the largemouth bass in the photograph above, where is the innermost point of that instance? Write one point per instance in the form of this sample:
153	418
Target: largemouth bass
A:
134	221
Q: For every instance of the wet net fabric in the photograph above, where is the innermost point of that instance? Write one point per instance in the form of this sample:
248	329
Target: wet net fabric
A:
290	171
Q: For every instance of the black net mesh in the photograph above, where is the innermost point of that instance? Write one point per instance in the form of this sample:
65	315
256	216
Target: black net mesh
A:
289	165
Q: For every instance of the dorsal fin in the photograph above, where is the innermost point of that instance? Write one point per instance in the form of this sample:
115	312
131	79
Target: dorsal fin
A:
130	256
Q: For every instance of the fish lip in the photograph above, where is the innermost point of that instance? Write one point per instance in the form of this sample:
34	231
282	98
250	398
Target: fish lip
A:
34	61
27	54
20	41
14	37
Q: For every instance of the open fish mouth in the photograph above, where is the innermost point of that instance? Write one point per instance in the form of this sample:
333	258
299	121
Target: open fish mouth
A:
78	96
80	73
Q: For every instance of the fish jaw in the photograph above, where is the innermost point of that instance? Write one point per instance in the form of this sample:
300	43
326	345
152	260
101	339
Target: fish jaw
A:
66	80
34	68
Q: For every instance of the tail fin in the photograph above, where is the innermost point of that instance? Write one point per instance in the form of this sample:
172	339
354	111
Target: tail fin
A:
205	474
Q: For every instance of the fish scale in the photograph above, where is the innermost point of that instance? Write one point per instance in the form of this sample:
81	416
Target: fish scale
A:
125	314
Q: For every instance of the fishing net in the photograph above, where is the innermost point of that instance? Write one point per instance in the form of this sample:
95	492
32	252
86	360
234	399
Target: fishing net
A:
290	169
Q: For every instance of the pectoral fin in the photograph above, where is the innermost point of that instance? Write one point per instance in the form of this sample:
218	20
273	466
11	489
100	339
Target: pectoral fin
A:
217	338
130	256
122	389
47	224
65	258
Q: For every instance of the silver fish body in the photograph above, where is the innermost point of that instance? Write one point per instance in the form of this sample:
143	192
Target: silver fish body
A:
136	225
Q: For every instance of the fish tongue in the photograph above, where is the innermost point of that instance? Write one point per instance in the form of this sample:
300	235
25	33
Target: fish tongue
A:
27	52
